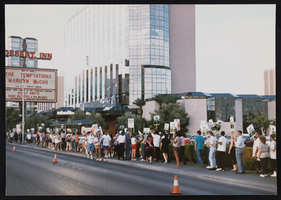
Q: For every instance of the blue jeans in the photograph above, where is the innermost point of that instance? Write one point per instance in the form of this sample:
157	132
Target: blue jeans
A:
212	157
239	158
199	159
128	150
208	152
142	151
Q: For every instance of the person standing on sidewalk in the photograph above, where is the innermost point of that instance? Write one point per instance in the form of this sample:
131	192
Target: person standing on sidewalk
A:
106	143
90	147
255	151
198	147
43	136
121	140
72	142
20	135
97	147
37	137
148	149
165	147
263	155
76	144
239	153
212	143
221	152
182	148
29	138
134	147
156	141
176	147
273	155
128	143
231	151
63	135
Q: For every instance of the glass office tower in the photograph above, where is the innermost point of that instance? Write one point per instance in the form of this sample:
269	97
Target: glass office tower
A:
115	54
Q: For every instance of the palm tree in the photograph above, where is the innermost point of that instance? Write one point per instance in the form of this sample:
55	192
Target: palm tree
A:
159	99
171	98
140	103
12	117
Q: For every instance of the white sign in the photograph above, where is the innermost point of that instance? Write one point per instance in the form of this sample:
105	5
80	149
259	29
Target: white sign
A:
211	122
40	85
156	120
48	130
218	125
272	129
146	130
32	130
95	128
173	127
202	123
166	127
130	122
231	119
251	130
177	121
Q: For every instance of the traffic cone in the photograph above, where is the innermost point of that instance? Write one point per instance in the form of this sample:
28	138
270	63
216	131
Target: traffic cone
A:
55	159
14	149
176	189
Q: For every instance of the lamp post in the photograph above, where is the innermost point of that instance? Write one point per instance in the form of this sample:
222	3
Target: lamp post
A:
22	111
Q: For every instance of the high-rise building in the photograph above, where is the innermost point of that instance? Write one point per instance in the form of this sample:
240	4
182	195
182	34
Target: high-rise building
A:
115	54
269	81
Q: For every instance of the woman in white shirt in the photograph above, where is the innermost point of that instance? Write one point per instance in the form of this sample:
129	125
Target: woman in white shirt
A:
134	147
121	141
273	155
29	138
212	143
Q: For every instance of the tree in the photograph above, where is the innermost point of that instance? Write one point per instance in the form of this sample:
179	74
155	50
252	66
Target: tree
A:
170	112
260	120
140	103
160	100
171	98
138	121
31	122
12	118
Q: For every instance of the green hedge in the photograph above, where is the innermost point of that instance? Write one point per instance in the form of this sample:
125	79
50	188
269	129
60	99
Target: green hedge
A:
191	156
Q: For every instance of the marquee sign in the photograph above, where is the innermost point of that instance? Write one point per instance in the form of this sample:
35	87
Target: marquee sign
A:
30	55
40	85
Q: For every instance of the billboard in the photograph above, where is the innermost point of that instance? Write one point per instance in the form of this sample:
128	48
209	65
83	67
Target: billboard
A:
40	85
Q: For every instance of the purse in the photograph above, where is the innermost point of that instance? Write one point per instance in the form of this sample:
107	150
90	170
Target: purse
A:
97	147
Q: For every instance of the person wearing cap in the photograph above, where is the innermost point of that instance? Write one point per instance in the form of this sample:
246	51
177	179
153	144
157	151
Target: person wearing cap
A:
239	150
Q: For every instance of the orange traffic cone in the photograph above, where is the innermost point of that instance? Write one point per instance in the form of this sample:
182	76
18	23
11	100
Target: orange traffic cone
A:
55	159
176	189
14	149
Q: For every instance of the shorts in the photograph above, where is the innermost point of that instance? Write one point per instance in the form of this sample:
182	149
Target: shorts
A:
134	146
105	147
90	147
68	144
149	153
53	143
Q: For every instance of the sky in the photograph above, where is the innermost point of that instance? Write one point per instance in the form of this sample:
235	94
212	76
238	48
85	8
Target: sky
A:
234	43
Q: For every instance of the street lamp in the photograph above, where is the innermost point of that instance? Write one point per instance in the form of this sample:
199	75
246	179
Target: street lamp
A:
23	110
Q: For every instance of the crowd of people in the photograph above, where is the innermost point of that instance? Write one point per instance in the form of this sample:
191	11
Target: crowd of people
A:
124	145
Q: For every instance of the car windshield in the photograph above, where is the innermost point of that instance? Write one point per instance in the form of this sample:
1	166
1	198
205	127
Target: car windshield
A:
188	137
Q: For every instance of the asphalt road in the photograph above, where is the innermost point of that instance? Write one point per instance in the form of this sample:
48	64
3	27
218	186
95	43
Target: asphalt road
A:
32	172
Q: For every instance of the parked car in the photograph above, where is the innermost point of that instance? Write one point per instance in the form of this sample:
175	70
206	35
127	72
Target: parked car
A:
192	140
188	138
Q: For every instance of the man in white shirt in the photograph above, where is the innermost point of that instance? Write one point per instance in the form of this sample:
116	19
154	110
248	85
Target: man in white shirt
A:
221	152
255	151
156	141
106	138
239	153
90	140
63	135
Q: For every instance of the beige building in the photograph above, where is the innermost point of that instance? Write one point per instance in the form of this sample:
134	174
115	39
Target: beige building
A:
269	81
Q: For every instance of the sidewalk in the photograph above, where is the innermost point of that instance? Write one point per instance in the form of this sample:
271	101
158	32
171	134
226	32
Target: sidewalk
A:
249	179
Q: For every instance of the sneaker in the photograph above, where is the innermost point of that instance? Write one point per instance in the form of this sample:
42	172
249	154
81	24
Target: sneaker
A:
142	160
99	159
219	169
135	159
132	159
208	167
88	156
165	162
262	175
92	157
273	175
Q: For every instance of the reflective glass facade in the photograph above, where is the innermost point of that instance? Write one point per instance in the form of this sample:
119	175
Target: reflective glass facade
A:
102	37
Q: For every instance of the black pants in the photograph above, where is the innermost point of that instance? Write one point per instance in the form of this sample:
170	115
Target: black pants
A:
264	162
182	156
121	151
273	164
258	165
156	150
233	156
38	140
220	159
63	143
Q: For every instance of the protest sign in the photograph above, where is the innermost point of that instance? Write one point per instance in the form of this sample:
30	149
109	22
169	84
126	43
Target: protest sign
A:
177	121
173	127
156	120
130	122
251	130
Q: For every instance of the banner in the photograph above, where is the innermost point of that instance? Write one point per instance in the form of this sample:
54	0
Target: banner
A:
218	125
95	128
177	121
173	127
156	120
251	130
166	127
146	130
272	129
130	122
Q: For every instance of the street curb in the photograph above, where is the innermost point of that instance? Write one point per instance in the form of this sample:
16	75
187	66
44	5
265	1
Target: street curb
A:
186	173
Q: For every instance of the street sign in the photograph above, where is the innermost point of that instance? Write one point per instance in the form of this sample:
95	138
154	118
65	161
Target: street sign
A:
130	122
177	121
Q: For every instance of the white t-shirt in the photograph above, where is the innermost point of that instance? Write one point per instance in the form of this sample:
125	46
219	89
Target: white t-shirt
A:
63	135
12	134
121	139
133	141
106	139
96	140
273	147
156	140
255	145
53	138
56	139
29	136
90	139
212	140
222	147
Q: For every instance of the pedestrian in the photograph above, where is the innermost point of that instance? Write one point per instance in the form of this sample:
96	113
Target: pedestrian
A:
176	148
76	144
37	137
11	137
106	143
263	155
221	152
33	138
255	151
90	142
72	142
182	149
121	140
156	142
208	151
144	137
239	153
97	147
273	155
20	135
43	137
164	146
57	142
50	140
198	147
111	145
148	149
134	147
212	153
63	136
16	137
29	138
231	151
128	144
53	141
68	142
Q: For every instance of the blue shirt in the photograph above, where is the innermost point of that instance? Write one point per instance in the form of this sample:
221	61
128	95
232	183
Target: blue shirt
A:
200	141
127	138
